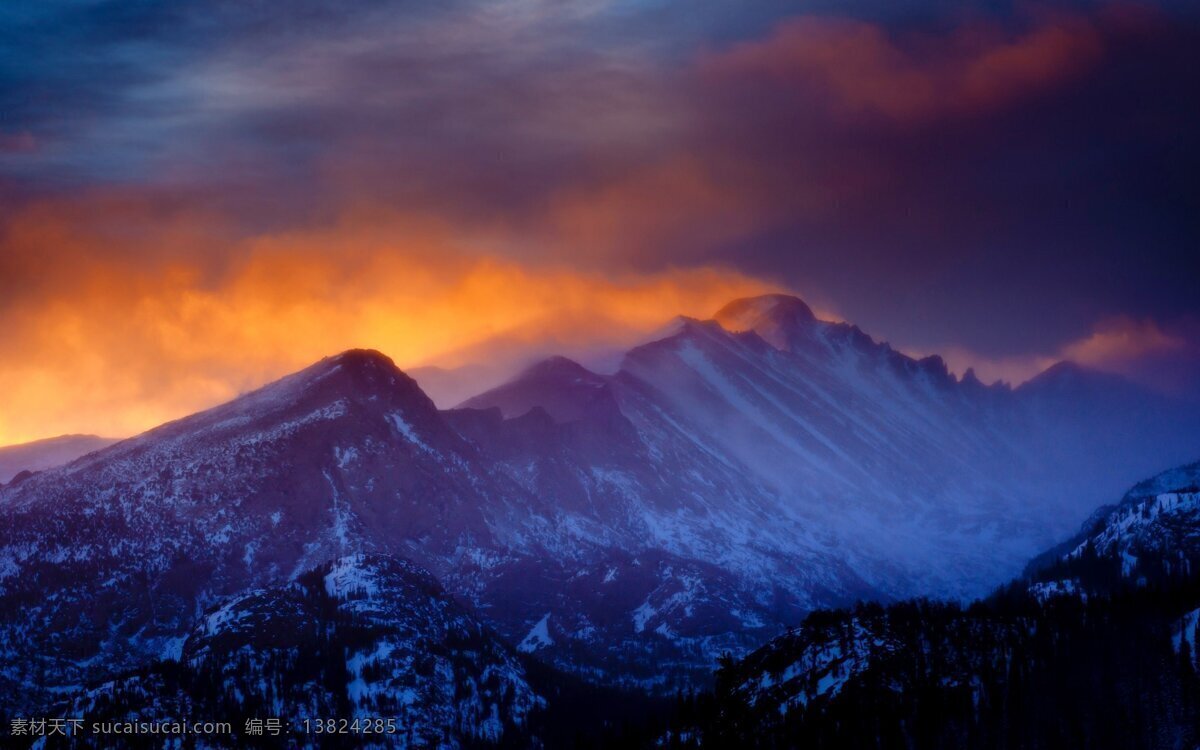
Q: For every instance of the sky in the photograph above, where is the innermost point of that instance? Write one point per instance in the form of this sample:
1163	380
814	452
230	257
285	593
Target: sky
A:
197	197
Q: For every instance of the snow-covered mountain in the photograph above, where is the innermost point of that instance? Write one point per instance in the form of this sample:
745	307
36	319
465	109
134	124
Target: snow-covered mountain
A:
108	561
47	454
359	638
911	480
1097	649
1152	535
904	645
730	477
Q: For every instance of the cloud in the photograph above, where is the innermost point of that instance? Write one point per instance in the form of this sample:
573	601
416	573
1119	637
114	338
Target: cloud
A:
140	327
208	181
1167	357
1164	357
999	182
862	68
1120	340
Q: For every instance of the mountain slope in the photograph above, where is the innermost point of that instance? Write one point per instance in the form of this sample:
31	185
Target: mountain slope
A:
919	482
629	528
370	639
1097	651
1151	537
105	563
804	454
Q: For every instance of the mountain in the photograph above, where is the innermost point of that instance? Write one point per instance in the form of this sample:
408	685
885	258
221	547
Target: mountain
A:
1152	535
1061	673
564	389
781	320
628	528
1096	649
359	638
917	481
495	360
47	454
105	563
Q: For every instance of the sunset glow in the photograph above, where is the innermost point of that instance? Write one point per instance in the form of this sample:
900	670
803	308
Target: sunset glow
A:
600	373
187	214
139	345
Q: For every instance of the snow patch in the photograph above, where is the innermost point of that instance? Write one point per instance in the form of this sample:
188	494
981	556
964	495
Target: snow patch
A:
407	431
1186	632
642	615
538	636
344	456
348	578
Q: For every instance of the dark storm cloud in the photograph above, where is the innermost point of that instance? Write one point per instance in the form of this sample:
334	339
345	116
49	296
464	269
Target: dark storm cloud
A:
994	176
1014	223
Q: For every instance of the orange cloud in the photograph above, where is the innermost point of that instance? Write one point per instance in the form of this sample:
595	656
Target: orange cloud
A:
863	69
1119	341
1120	345
120	328
682	203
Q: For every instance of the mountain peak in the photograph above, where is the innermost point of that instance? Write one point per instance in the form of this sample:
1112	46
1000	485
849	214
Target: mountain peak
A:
558	367
1063	369
363	359
775	317
355	366
1071	376
561	386
353	369
745	313
355	375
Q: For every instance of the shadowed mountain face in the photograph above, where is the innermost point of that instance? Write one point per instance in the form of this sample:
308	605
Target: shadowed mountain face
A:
106	562
565	390
1151	536
627	527
1095	647
359	636
920	482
